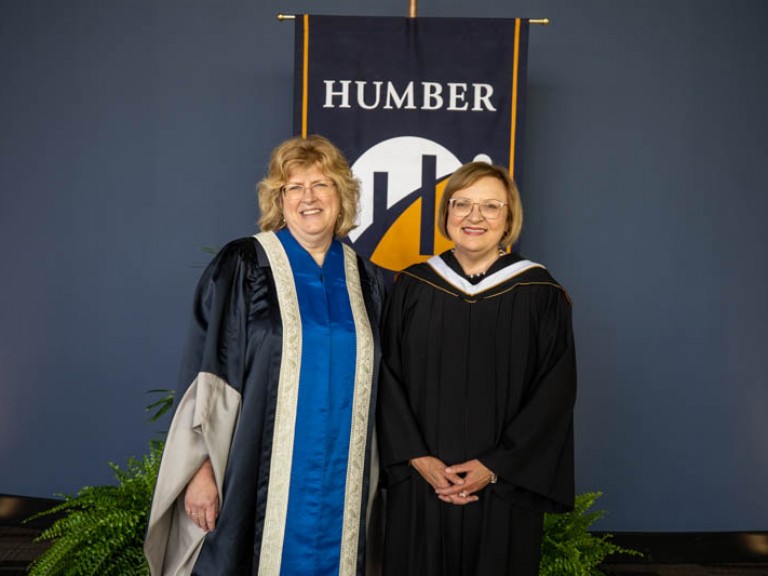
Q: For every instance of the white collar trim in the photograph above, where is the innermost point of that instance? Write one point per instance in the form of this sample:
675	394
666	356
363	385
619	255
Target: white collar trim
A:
450	276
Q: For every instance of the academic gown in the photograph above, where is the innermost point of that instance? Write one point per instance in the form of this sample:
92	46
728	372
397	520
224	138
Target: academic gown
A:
484	371
283	404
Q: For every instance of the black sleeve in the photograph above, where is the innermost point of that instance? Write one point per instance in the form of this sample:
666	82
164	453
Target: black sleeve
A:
536	453
221	298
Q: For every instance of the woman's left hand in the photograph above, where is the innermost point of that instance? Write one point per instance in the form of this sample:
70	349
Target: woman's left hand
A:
476	477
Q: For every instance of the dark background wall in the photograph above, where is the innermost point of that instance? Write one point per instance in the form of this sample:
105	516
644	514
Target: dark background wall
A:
132	134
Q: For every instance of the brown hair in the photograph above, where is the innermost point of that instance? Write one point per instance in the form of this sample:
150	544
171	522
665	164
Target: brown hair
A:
468	175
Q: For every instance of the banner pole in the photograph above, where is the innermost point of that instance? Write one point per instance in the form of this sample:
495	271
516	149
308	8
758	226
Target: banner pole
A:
542	21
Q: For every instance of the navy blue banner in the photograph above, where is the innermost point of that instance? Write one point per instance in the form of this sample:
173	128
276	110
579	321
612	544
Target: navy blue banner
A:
408	101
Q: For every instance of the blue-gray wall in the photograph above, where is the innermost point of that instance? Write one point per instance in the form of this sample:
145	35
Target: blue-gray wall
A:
132	134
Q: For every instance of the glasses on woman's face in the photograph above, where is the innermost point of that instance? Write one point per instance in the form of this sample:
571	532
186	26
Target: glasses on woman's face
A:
489	209
319	189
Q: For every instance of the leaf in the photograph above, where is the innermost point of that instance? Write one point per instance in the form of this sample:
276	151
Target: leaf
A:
161	406
100	531
569	549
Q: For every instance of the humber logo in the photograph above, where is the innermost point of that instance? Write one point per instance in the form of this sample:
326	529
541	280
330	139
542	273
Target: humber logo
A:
402	181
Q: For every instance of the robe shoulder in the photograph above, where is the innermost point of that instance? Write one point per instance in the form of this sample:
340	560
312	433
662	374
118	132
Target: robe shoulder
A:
241	251
222	300
423	274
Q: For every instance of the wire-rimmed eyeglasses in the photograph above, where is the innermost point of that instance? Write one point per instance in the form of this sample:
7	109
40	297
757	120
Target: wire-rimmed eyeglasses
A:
489	209
296	191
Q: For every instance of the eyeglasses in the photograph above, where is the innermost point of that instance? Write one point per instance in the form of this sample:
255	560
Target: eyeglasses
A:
319	189
462	207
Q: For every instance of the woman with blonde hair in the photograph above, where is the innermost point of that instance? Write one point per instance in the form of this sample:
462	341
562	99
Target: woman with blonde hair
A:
268	460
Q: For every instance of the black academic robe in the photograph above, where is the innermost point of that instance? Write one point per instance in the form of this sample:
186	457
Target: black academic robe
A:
482	371
238	389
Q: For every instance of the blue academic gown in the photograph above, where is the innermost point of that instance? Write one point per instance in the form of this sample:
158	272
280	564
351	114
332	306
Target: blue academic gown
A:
278	389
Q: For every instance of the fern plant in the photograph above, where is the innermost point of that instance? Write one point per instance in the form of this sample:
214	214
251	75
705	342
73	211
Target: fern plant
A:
569	549
100	531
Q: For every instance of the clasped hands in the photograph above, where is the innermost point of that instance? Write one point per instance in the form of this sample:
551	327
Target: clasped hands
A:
456	484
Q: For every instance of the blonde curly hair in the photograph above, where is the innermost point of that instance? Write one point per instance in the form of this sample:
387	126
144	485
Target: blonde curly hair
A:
300	152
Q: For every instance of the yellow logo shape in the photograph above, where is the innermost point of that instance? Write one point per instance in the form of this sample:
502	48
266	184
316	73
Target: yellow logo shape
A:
399	246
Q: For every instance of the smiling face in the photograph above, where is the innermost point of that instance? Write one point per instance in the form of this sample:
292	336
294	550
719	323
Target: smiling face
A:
311	215
476	236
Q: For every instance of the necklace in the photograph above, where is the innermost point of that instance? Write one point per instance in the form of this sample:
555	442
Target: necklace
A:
483	272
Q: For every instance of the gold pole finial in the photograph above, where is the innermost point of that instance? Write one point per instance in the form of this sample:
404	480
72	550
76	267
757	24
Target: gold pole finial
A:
412	8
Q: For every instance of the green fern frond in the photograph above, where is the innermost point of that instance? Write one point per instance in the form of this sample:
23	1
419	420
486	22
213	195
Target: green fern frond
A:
569	549
161	406
100	531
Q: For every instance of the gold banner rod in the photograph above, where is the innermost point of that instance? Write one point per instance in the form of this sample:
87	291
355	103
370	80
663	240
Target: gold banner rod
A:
542	21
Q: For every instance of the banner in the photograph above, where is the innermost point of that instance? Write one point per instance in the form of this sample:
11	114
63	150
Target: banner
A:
408	101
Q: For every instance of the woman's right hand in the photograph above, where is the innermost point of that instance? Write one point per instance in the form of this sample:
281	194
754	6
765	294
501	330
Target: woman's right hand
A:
202	498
